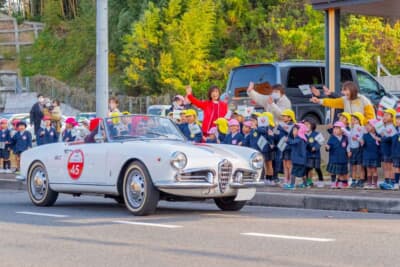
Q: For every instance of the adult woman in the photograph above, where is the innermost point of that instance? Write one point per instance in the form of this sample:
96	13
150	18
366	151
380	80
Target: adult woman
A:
213	108
274	103
350	102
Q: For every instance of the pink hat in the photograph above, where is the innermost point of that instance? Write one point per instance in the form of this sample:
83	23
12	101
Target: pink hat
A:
3	121
248	124
71	121
233	122
302	131
212	130
339	124
179	97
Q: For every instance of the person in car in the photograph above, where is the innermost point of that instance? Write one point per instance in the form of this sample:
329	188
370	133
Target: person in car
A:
275	103
213	108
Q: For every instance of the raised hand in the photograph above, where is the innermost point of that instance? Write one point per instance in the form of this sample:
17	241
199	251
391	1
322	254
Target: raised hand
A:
326	90
315	91
189	90
314	100
251	87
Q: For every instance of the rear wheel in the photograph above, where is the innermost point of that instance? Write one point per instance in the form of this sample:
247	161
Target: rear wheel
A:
140	195
39	190
229	203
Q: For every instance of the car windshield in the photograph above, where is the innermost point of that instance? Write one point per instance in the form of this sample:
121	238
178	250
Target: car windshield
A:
127	127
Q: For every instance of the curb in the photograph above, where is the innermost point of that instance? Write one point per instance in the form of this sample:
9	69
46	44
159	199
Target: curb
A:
12	184
339	203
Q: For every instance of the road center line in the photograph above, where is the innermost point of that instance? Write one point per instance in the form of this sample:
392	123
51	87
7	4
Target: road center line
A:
149	224
290	237
42	214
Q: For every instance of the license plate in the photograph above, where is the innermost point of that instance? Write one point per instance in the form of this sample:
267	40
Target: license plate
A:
245	194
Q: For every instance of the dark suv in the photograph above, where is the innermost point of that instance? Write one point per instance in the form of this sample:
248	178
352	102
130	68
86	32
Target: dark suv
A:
291	74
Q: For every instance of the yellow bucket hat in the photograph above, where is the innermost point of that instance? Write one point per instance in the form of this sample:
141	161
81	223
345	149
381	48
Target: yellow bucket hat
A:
346	115
393	113
360	117
270	117
289	113
191	112
222	125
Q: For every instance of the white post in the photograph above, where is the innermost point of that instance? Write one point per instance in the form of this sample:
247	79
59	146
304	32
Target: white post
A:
102	58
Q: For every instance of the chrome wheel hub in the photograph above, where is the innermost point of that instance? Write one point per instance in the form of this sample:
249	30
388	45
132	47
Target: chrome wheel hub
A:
135	188
38	183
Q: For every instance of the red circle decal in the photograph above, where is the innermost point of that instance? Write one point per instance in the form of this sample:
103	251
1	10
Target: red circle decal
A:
76	162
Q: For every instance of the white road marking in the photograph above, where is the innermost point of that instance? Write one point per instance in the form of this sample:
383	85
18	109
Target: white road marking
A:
42	214
290	237
149	224
224	215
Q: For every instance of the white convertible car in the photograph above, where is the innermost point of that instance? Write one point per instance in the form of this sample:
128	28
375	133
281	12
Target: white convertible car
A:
139	160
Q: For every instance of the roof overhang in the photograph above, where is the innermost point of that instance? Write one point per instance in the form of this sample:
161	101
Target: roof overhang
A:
379	8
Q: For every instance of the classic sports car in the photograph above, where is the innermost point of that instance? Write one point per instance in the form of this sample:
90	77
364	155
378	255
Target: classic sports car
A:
138	160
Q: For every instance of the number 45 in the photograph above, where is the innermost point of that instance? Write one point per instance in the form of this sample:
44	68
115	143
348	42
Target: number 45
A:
75	169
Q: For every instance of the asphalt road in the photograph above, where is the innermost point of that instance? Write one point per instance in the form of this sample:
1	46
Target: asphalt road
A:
92	231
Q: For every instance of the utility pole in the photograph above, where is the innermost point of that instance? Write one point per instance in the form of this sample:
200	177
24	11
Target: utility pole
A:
101	58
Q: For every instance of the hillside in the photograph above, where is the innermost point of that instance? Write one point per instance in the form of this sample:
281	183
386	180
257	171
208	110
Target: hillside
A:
159	46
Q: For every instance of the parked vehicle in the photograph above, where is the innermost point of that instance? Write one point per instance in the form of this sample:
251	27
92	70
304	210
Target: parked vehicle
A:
158	110
85	115
292	74
138	160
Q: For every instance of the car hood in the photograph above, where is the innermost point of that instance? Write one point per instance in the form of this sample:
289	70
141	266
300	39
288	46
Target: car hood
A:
201	150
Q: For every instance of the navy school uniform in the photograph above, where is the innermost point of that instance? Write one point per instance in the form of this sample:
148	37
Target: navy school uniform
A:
371	152
337	155
5	137
313	151
298	155
283	131
21	142
192	132
386	145
221	137
68	136
47	136
268	149
233	139
211	141
396	149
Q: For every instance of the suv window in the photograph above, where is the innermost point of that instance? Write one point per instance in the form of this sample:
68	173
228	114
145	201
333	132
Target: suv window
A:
367	84
345	75
264	76
305	75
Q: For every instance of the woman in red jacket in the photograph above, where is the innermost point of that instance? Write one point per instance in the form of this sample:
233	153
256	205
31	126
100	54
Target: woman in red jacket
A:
213	108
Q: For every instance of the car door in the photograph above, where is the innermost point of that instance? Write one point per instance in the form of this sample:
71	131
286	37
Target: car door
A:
85	164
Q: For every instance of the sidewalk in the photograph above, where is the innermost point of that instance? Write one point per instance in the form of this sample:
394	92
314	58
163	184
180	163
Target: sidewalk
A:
330	199
309	198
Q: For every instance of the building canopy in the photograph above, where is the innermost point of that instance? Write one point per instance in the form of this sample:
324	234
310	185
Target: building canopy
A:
379	8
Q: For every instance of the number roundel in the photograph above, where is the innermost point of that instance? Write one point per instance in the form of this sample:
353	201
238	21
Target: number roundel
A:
76	162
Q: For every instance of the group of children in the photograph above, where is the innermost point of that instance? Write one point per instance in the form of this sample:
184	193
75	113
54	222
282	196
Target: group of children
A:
356	147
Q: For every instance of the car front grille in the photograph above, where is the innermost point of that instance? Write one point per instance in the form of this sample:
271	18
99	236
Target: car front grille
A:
224	174
194	176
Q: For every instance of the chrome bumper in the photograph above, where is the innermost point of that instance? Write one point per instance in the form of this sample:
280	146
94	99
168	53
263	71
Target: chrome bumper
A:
186	185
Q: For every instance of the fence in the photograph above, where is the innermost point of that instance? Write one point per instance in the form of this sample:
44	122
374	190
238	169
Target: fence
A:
85	101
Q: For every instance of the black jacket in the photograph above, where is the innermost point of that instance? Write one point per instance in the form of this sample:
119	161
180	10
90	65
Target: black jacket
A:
36	116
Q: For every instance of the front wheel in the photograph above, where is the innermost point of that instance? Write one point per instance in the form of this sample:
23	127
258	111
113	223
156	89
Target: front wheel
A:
229	204
140	195
39	189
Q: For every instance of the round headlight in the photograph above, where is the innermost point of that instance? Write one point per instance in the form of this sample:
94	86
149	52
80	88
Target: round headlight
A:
257	161
178	160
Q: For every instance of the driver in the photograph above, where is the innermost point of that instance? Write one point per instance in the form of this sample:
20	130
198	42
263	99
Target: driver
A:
93	128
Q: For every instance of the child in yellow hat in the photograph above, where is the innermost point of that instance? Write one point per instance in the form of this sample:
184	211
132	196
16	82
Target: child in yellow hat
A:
222	127
282	133
355	149
191	129
389	120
